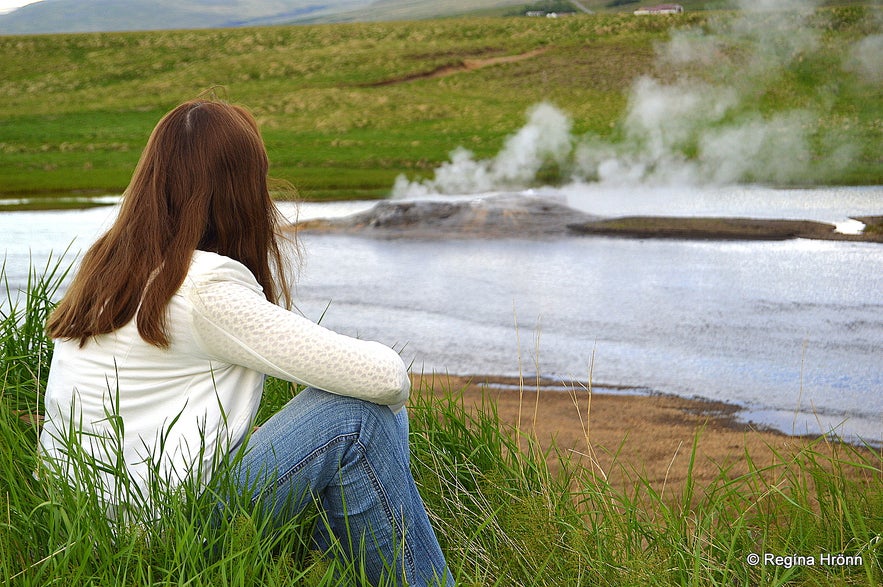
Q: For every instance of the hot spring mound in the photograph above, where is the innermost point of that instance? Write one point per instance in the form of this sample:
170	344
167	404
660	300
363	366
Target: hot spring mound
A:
503	216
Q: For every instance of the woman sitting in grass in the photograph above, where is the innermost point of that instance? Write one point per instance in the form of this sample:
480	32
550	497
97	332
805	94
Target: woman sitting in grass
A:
167	331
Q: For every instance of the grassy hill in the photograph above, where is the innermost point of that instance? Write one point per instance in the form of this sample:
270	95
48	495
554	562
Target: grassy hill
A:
346	108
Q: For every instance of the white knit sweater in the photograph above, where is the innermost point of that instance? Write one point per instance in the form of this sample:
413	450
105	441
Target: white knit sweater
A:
183	407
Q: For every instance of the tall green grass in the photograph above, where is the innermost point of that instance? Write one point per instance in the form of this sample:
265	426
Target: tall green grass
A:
503	516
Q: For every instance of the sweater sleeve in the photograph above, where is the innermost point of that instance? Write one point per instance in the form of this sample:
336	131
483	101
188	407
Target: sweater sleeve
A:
236	324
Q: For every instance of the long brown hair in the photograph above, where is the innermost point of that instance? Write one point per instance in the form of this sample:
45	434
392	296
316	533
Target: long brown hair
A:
201	183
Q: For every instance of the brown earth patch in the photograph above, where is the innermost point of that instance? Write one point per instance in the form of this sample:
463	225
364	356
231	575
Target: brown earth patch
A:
717	229
463	66
638	436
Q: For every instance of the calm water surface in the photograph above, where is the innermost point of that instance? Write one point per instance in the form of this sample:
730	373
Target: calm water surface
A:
792	331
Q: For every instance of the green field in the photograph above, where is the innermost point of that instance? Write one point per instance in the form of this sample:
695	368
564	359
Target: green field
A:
347	108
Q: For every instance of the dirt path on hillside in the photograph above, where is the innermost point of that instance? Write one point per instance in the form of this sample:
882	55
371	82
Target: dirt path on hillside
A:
464	65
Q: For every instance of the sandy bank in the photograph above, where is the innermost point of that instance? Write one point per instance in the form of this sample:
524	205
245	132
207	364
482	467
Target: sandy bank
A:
626	437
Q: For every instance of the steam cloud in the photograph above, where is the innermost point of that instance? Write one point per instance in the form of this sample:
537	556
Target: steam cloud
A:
545	136
687	131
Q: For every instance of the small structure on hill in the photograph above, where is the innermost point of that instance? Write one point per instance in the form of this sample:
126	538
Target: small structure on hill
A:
541	13
661	9
553	8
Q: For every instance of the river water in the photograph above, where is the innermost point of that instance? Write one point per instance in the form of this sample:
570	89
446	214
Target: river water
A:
791	331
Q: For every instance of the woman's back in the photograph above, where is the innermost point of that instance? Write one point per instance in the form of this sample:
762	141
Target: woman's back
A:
175	408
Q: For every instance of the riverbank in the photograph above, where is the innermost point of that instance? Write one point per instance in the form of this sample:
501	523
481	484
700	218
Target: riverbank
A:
676	510
624	437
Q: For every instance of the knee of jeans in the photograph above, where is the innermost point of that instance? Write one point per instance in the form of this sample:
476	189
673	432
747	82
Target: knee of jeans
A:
370	414
347	404
372	418
368	409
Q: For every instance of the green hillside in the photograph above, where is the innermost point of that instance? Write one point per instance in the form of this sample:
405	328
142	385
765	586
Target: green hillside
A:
346	108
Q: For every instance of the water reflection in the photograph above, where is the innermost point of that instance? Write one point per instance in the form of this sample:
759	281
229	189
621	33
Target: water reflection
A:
775	326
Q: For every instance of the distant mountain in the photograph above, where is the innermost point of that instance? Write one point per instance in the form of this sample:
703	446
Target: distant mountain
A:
57	16
68	16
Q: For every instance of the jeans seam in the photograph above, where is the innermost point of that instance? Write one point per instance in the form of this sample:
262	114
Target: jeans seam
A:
387	508
285	477
372	477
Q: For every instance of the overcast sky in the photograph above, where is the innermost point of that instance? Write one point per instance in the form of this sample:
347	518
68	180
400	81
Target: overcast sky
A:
8	5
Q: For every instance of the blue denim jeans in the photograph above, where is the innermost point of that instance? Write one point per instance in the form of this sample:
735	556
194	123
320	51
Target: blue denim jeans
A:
352	458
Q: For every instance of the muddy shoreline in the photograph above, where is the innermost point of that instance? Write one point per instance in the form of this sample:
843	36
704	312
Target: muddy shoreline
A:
709	228
660	439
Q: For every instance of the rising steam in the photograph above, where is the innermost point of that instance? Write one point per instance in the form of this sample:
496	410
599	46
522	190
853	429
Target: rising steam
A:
546	136
688	131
